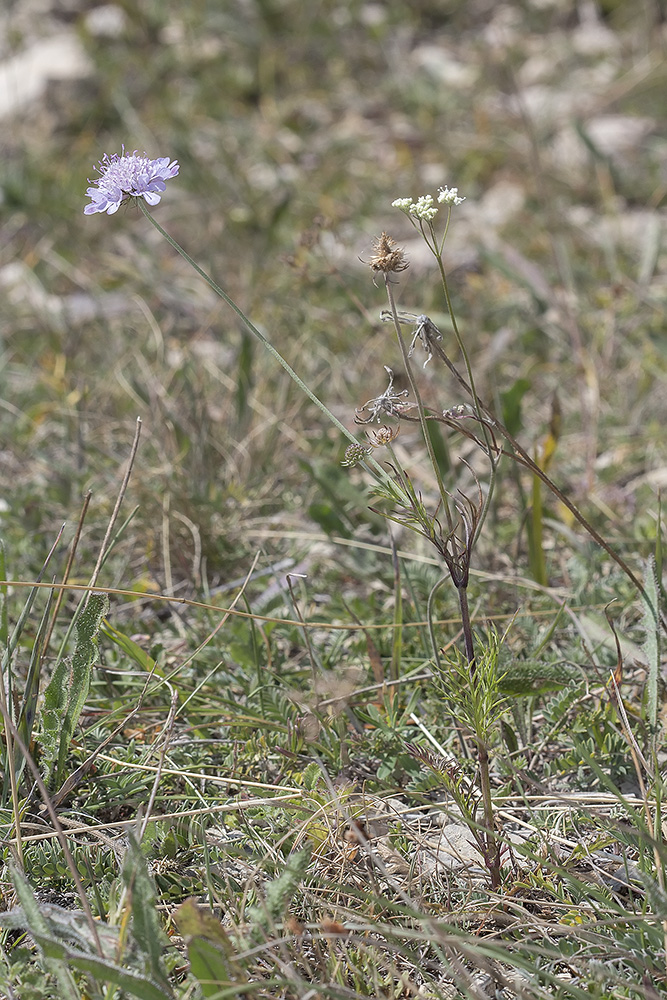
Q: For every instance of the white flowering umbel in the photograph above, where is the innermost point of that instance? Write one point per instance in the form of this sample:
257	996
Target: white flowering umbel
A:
423	208
449	196
422	211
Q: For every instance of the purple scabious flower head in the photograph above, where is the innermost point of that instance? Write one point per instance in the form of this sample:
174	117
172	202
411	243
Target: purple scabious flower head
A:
124	176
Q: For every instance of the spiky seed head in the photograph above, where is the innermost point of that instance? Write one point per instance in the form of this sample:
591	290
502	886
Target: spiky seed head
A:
387	255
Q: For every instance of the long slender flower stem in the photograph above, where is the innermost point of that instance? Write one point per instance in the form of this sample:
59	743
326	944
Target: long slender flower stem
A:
418	400
484	415
436	249
473	391
491	847
370	462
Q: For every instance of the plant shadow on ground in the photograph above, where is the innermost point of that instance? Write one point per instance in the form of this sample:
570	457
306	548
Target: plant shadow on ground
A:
262	785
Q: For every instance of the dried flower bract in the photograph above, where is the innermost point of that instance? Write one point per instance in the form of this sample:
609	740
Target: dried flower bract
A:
383	435
387	256
393	403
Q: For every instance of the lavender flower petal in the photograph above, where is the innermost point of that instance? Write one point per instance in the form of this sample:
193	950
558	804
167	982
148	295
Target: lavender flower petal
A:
124	176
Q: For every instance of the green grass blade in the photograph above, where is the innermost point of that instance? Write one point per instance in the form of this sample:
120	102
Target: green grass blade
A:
538	566
4	615
651	607
131	649
28	710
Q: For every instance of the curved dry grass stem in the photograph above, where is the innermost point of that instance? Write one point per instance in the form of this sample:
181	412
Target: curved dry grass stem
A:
68	568
119	500
211	810
164	739
554	593
520	455
6	690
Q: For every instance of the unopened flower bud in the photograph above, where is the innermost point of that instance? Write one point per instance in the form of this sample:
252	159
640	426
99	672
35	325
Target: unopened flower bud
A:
355	453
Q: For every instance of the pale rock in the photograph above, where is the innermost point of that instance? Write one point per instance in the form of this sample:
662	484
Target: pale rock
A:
25	77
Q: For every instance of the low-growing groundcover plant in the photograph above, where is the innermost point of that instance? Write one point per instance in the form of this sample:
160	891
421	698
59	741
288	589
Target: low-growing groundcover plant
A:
306	880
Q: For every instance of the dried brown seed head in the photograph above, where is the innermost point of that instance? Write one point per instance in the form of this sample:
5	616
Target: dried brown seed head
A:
387	255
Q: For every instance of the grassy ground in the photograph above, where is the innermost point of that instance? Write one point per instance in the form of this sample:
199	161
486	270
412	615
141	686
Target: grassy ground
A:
254	749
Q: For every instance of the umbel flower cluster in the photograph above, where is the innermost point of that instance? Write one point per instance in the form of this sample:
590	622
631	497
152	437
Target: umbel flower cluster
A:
423	208
128	176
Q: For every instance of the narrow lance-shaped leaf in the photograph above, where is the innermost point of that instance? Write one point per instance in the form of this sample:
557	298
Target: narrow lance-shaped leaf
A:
53	712
66	695
210	950
146	926
39	927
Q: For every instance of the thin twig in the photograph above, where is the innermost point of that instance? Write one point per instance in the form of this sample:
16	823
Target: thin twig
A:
165	737
11	761
68	568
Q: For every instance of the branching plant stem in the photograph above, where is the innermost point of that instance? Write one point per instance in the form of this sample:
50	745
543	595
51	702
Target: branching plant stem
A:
485	415
444	497
459	567
436	248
